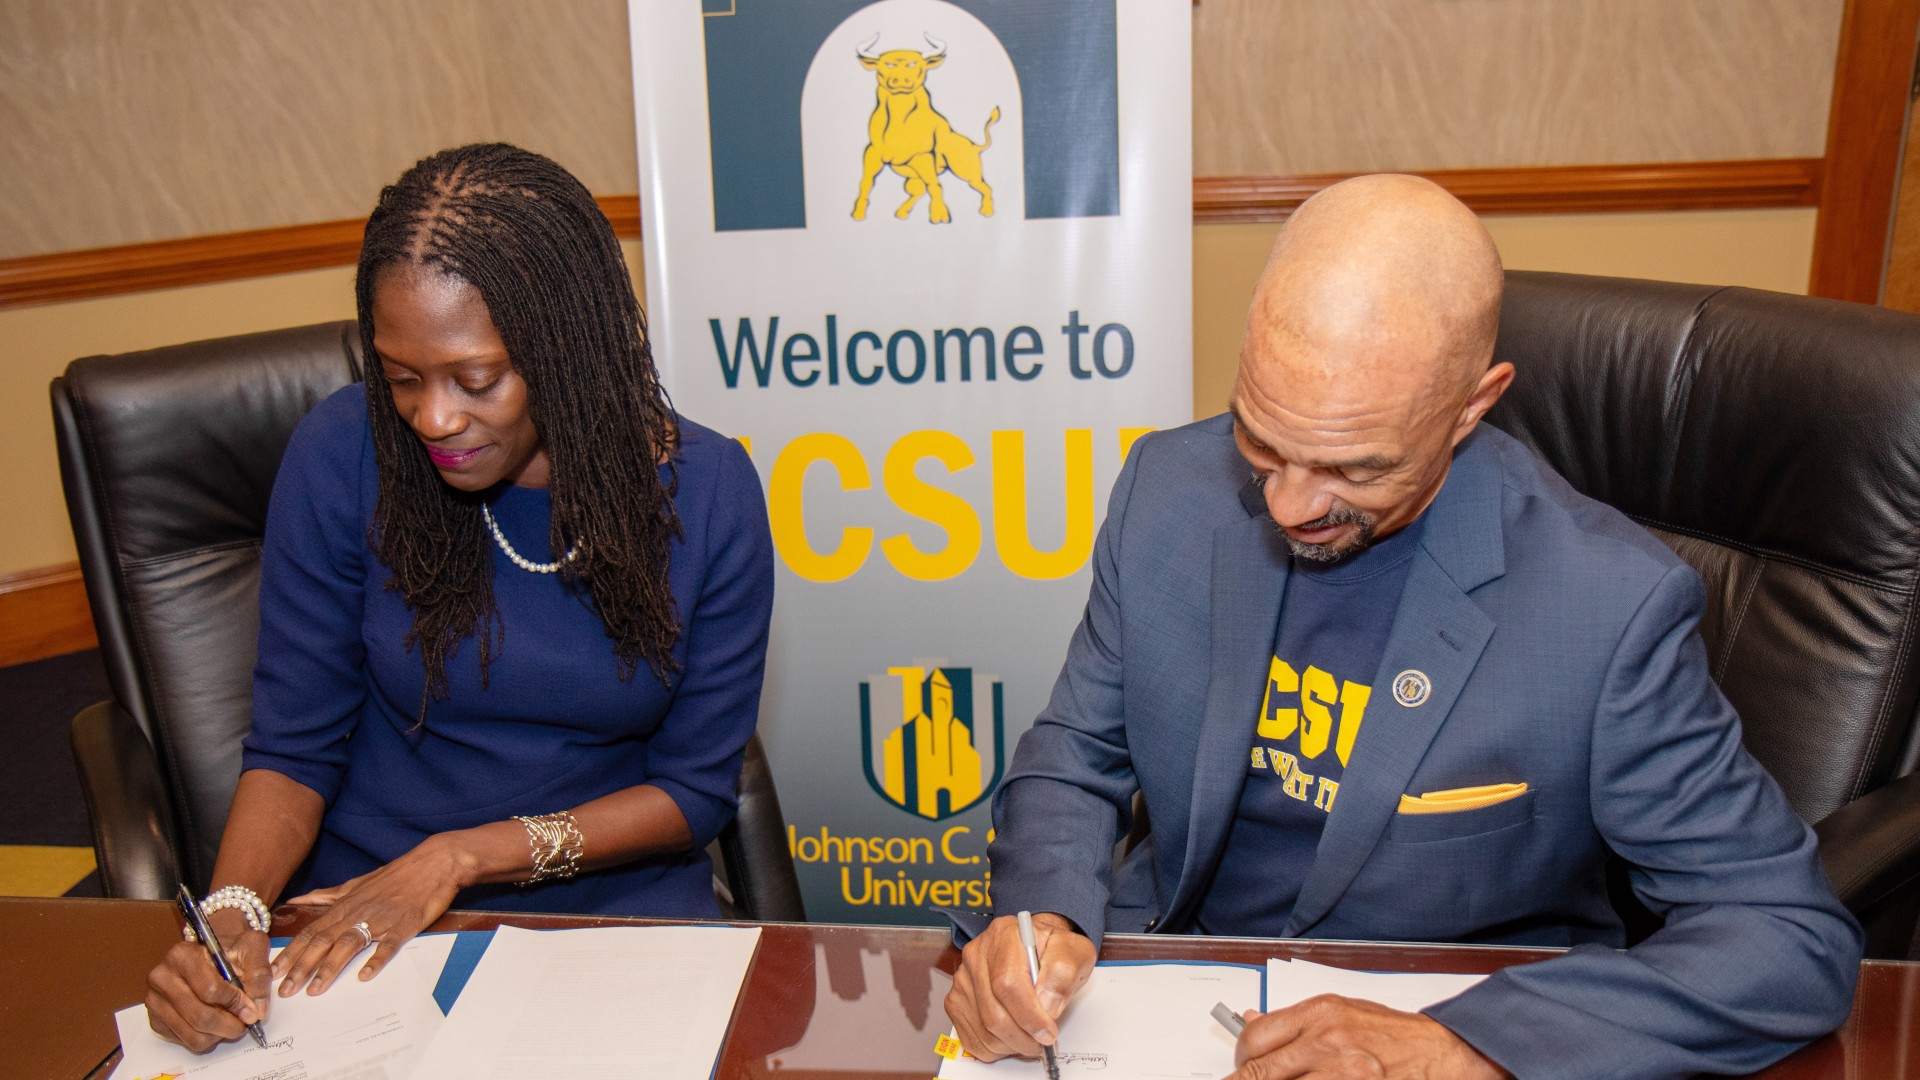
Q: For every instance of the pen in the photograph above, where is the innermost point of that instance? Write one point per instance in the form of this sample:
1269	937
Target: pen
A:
204	931
1229	1019
1033	969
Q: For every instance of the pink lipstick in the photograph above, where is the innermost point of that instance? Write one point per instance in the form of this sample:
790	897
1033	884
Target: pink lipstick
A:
452	459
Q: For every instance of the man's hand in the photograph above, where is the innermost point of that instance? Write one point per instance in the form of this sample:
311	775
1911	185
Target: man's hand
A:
1331	1036
994	1005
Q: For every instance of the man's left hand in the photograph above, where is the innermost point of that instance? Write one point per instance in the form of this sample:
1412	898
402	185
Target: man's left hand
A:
1331	1036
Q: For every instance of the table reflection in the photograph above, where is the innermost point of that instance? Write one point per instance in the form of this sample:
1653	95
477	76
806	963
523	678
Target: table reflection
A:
874	1010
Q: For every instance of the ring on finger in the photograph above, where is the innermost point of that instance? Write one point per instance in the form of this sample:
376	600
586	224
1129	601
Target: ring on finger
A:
365	932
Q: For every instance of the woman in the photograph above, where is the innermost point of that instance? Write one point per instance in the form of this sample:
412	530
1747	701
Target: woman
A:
513	610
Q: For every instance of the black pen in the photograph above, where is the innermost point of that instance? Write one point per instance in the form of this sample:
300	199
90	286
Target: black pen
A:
190	911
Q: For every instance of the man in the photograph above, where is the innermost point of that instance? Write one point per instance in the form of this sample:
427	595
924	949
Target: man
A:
1379	673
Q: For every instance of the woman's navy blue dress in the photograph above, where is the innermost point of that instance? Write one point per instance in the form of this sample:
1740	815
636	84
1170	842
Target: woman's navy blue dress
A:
337	692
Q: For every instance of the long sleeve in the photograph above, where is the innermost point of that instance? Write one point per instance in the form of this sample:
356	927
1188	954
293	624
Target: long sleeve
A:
695	754
1066	798
1756	957
309	680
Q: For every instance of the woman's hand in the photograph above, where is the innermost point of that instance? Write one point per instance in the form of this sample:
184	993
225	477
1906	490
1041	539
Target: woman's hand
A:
189	1003
395	902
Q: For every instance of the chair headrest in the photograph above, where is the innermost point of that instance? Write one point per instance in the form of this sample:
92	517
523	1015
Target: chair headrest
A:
183	442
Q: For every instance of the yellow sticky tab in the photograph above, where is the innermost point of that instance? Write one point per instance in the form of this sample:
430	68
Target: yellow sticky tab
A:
1454	800
947	1047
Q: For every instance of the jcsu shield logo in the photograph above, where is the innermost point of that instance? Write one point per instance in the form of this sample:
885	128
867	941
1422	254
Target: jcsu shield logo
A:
937	755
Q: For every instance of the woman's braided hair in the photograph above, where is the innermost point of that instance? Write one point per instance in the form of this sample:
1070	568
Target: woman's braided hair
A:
530	238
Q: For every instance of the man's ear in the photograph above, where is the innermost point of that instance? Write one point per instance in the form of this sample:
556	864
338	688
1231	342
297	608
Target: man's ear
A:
1493	382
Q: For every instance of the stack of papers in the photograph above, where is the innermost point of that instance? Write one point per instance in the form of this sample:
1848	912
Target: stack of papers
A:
1147	1021
614	1001
375	1029
1138	1020
649	1001
1292	981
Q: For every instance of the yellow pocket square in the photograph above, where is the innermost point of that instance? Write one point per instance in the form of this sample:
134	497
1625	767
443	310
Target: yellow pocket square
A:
1455	800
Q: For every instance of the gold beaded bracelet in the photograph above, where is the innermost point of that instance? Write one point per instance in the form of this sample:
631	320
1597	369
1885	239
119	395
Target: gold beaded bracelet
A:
556	843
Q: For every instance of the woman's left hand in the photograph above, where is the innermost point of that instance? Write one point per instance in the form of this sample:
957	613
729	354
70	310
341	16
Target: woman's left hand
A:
393	903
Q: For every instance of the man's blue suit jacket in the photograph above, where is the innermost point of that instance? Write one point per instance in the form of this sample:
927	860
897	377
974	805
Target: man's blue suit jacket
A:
1560	641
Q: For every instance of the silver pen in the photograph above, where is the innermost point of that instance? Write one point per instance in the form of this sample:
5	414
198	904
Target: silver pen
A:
1033	969
1229	1019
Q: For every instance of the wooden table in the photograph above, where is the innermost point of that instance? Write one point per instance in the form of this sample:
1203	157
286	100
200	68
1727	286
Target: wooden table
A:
820	1000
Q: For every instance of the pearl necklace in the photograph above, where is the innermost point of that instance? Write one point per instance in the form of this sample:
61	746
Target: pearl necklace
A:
520	560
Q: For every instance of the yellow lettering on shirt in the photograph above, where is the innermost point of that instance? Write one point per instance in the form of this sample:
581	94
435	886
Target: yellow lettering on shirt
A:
1353	709
1296	781
1300	707
1323	800
1318	694
1276	722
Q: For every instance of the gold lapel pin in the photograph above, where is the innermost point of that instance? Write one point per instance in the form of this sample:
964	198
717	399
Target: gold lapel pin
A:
1410	688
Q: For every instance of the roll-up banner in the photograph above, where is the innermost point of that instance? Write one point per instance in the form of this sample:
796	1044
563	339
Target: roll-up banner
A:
932	263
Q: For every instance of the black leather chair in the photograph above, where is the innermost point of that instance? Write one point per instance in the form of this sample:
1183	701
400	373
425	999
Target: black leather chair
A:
1772	441
168	457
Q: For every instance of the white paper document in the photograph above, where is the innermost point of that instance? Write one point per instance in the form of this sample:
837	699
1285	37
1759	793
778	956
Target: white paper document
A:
1292	981
1138	1022
651	1001
373	1030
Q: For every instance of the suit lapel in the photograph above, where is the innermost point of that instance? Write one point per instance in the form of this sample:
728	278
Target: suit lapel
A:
1249	578
1439	632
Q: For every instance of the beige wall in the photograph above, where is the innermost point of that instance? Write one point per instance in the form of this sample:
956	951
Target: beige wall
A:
157	120
1764	248
148	121
1312	86
131	122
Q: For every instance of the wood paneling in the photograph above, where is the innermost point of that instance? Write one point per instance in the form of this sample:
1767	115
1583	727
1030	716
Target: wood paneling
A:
1573	189
1579	189
1902	288
44	613
1872	85
44	279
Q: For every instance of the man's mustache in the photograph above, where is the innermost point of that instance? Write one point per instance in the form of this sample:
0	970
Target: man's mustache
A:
1339	515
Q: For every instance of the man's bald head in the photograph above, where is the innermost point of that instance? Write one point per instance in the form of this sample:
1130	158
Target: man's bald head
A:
1366	359
1385	278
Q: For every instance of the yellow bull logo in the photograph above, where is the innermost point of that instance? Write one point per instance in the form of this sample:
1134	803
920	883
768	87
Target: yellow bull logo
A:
906	134
933	764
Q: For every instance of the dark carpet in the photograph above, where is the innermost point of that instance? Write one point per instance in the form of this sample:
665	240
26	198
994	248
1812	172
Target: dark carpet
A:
40	800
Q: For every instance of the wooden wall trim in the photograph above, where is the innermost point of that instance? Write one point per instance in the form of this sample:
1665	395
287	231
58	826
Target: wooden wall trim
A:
43	612
164	264
1564	189
1567	189
1873	80
198	260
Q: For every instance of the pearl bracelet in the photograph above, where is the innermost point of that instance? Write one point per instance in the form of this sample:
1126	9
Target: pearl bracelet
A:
239	898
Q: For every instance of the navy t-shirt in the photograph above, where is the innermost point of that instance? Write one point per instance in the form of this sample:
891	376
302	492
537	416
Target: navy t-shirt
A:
1332	633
